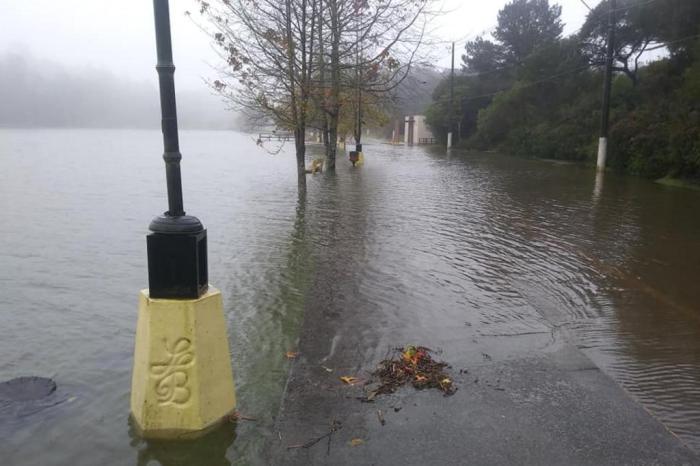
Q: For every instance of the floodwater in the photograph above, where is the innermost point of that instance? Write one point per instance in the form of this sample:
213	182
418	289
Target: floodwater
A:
487	245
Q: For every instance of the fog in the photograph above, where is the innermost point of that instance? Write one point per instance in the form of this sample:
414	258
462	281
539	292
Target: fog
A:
43	93
88	63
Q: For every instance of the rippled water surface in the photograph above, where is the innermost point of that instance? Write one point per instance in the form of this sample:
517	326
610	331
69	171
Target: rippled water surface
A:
502	245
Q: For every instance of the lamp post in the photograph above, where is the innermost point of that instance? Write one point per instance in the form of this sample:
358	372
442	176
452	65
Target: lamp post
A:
182	381
356	156
177	246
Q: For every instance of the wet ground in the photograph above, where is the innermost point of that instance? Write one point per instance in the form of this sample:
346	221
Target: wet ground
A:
547	404
487	259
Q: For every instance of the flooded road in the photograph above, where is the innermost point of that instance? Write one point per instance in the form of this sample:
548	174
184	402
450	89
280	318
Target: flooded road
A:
472	249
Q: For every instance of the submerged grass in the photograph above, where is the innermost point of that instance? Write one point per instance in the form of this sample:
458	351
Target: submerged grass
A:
678	183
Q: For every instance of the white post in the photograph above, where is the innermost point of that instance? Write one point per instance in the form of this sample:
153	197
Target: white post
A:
449	140
602	154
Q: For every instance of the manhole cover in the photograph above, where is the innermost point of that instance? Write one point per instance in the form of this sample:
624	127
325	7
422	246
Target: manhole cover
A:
26	389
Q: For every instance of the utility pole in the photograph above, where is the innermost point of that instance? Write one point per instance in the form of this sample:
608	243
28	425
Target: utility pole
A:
607	85
450	110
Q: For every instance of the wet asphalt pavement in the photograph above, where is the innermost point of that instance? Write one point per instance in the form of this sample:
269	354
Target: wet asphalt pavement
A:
526	393
529	399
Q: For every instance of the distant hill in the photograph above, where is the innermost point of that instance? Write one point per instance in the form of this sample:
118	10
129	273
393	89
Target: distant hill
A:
40	93
414	95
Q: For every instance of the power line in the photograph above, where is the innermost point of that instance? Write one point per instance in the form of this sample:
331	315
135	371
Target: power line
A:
530	84
554	76
624	8
665	44
565	73
615	10
522	86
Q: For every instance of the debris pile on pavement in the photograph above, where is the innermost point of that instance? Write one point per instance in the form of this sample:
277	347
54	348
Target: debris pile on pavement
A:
415	365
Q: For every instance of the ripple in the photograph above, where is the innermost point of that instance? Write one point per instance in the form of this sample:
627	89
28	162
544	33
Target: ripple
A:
446	249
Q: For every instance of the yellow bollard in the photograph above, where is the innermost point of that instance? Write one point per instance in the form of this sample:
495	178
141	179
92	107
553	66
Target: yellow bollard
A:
182	380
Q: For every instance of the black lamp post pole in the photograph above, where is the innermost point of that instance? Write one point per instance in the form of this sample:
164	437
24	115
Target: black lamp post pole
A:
171	144
177	244
358	143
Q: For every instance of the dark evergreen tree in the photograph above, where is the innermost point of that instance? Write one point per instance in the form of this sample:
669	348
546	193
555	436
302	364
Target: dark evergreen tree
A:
524	25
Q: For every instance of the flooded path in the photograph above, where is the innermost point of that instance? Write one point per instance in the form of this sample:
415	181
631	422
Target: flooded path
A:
484	254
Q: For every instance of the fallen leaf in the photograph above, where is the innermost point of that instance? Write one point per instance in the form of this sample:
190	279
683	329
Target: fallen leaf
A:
327	369
356	441
409	354
349	380
291	354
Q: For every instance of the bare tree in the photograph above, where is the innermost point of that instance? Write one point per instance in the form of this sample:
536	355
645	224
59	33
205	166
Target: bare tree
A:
296	61
268	50
372	46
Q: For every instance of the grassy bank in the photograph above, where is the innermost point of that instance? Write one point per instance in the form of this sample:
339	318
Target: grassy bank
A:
679	183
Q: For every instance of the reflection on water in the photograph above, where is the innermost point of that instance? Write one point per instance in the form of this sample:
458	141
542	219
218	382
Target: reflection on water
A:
209	450
619	274
464	250
598	187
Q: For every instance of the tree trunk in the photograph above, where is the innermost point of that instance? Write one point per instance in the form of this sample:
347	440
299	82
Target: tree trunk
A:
324	137
334	110
333	141
300	146
322	86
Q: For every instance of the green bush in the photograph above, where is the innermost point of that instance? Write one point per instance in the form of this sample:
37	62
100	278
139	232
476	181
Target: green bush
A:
549	104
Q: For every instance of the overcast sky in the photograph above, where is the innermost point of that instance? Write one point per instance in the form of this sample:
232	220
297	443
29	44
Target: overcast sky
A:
117	35
466	19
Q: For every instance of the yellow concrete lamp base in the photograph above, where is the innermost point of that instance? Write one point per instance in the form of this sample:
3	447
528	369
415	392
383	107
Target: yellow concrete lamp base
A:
182	381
